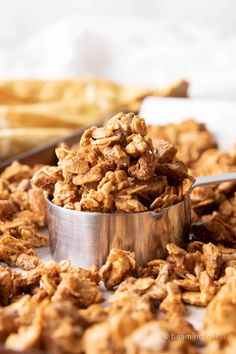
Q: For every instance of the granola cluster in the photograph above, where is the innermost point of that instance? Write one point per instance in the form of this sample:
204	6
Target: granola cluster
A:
219	320
214	206
62	309
116	168
59	308
42	306
201	275
22	217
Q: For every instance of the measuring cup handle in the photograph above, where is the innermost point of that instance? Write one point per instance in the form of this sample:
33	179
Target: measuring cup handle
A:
205	180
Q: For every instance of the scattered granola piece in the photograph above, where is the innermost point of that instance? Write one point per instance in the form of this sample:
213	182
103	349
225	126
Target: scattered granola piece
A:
219	320
26	338
94	314
208	287
14	253
62	328
148	339
194	298
110	334
157	337
16	173
6	285
118	266
46	178
212	228
7	209
190	137
80	291
14	315
213	260
173	302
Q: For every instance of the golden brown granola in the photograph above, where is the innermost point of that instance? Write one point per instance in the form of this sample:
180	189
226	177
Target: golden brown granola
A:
109	336
116	168
158	337
219	321
119	265
22	215
173	301
190	137
56	307
54	327
43	307
214	205
48	316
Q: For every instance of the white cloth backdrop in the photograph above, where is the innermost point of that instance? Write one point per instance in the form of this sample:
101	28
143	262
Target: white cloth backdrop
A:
150	42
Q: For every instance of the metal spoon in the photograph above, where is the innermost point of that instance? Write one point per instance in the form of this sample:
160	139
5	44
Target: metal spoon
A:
86	238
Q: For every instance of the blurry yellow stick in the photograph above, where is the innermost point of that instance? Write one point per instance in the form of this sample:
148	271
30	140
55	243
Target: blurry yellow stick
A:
14	141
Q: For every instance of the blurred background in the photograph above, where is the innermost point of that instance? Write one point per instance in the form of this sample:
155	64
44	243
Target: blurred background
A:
150	42
141	47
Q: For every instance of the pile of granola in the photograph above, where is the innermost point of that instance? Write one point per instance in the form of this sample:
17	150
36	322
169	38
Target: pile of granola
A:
22	217
214	206
62	309
116	168
59	308
190	138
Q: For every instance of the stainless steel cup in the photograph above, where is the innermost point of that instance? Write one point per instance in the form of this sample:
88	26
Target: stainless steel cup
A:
86	238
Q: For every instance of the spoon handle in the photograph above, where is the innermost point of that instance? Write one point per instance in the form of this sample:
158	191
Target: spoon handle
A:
205	180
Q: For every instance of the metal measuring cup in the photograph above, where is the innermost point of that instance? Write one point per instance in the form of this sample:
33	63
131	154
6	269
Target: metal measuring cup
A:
86	238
